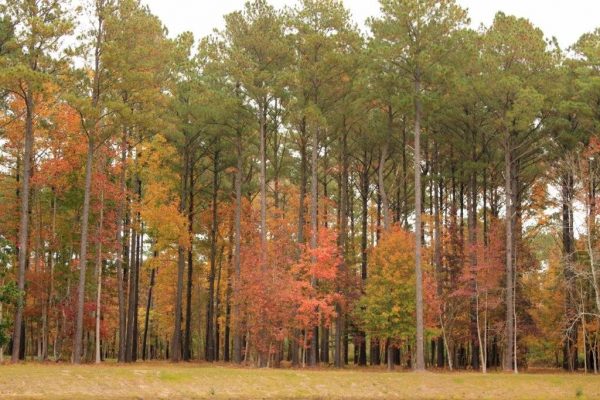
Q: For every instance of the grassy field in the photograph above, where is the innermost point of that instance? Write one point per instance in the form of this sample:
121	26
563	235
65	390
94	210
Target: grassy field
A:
192	381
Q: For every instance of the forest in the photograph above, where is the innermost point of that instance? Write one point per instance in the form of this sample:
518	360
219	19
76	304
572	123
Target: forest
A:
296	191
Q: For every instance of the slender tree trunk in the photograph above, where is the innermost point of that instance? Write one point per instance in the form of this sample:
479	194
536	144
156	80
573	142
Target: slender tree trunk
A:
263	182
381	185
99	276
343	235
120	250
570	344
147	316
131	342
508	187
437	248
472	236
216	332
230	268
364	193
210	310
77	342
49	303
237	334
176	338
301	218
187	343
314	226
24	225
420	356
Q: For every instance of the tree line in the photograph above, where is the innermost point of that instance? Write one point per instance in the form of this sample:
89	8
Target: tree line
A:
291	190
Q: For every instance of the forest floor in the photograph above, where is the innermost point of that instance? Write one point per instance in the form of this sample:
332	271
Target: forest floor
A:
203	381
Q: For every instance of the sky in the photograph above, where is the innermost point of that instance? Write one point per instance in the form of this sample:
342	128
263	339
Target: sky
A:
566	20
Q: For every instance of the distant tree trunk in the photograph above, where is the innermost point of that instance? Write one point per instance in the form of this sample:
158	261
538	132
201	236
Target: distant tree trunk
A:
133	281
472	236
138	268
147	315
343	234
210	310
187	343
301	218
314	228
99	276
230	268
364	194
385	206
570	342
237	335
77	342
24	224
263	181
390	356
508	187
120	250
176	338
404	179
420	356
437	247
216	331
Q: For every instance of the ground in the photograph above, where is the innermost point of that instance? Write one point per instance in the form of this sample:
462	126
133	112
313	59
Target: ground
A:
194	381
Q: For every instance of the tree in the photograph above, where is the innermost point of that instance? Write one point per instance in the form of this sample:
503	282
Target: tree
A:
39	29
517	61
417	34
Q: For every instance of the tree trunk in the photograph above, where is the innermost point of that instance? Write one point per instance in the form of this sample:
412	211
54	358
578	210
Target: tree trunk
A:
176	338
263	182
147	316
390	356
314	227
133	281
472	236
364	193
237	335
509	356
99	276
24	225
187	343
343	236
210	310
120	250
77	342
570	343
420	356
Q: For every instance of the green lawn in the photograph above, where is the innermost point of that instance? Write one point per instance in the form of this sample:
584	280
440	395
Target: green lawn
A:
193	381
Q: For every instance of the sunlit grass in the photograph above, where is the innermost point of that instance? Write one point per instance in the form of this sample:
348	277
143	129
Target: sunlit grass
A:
204	381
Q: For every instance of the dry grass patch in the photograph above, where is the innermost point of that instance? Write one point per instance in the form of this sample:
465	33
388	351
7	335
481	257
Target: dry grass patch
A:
194	381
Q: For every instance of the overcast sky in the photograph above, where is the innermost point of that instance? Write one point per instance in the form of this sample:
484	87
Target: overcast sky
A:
564	19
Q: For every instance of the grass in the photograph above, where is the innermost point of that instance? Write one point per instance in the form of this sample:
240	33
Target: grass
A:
203	381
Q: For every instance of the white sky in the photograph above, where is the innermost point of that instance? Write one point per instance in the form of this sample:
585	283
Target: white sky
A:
564	19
